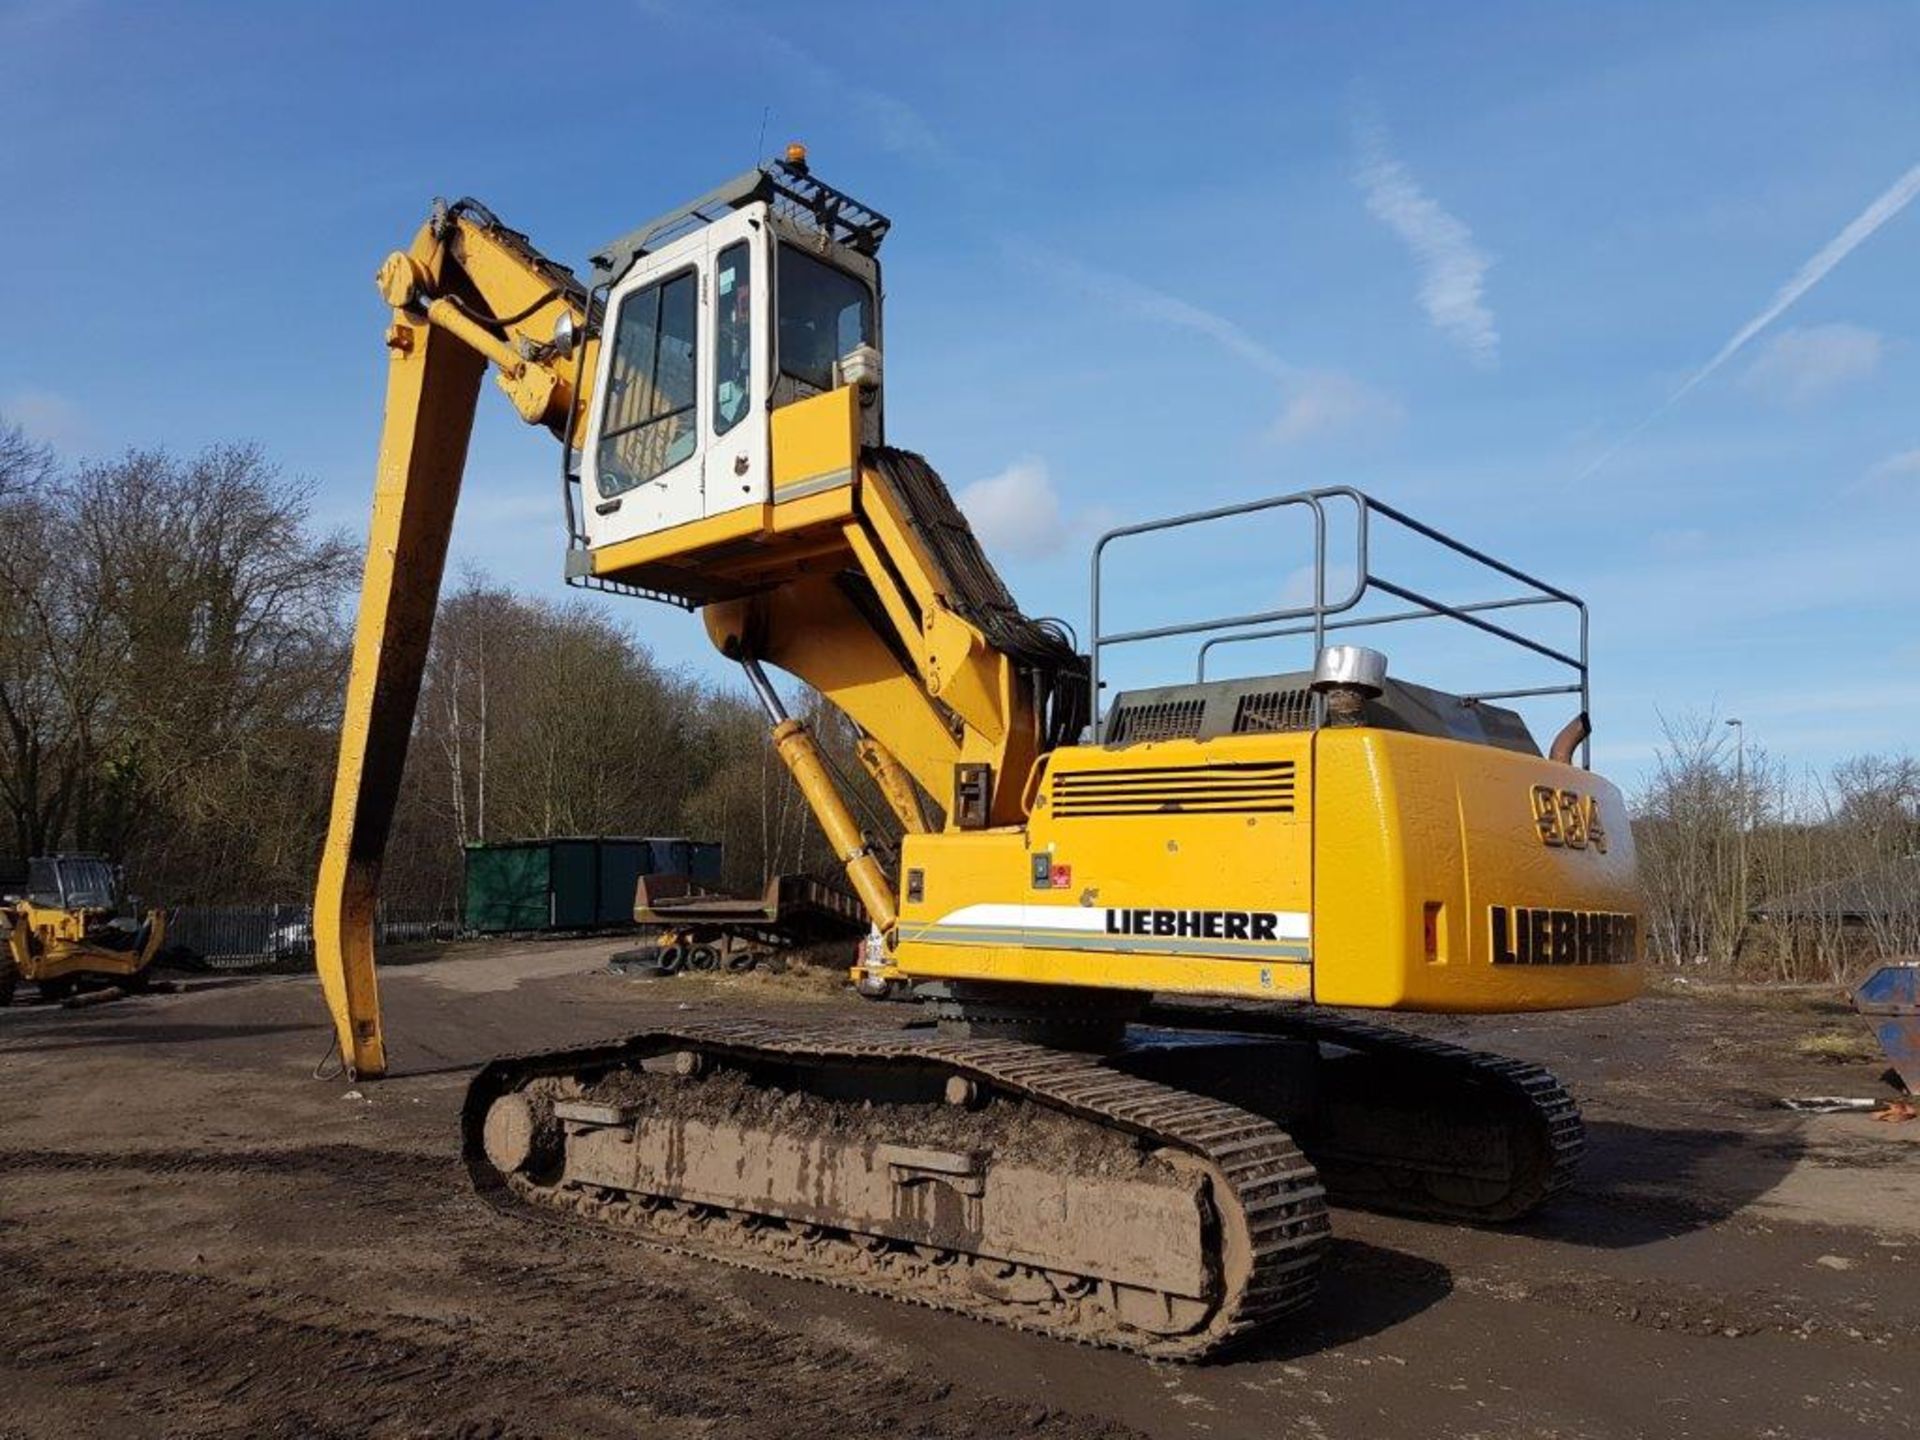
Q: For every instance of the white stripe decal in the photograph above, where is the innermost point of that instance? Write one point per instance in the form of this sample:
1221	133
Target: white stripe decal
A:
1289	924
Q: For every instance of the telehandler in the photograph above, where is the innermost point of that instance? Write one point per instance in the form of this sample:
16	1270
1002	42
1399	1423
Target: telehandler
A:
1131	1096
66	929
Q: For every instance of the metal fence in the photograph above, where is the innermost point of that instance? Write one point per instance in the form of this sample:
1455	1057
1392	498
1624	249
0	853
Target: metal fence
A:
252	937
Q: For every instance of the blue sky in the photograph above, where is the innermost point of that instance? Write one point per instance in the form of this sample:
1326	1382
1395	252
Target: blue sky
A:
1144	259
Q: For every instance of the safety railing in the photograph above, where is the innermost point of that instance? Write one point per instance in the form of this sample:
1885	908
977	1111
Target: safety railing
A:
1341	613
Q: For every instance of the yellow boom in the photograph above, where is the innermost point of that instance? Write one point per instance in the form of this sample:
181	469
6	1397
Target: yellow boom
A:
935	694
468	291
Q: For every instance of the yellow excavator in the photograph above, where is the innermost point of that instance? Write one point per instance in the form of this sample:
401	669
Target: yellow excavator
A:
1136	930
65	929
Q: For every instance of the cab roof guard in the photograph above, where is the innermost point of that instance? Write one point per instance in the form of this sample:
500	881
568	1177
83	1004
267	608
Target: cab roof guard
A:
1326	614
789	187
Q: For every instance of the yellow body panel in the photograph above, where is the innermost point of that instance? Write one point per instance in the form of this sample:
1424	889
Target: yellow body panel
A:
625	556
983	916
816	442
1345	841
1406	822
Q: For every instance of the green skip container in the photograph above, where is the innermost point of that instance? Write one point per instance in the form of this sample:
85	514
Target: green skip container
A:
573	882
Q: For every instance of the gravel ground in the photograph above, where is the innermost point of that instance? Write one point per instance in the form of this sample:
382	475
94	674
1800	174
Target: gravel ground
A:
198	1238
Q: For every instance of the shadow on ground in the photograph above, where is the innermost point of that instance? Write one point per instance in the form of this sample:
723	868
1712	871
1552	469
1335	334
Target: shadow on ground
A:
1640	1184
1364	1290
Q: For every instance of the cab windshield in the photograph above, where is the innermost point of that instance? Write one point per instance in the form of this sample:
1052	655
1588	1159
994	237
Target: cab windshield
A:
824	314
72	884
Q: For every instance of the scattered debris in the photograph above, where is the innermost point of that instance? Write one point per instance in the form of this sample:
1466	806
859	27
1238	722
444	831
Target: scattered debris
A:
1836	1262
85	998
1898	1112
1828	1104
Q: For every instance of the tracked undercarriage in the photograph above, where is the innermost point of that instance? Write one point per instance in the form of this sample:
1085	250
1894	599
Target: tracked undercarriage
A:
1150	1199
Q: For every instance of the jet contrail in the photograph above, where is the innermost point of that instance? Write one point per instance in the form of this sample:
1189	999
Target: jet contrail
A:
1895	199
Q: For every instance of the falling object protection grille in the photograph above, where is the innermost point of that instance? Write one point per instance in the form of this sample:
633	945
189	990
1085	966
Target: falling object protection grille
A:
1250	788
1269	711
1156	720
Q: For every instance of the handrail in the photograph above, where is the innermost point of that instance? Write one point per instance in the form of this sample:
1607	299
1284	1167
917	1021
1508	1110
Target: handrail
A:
1207	645
1322	616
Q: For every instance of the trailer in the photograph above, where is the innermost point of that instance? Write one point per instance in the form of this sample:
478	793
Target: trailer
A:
701	929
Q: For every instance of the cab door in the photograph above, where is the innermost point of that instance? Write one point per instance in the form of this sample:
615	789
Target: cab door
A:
645	470
736	445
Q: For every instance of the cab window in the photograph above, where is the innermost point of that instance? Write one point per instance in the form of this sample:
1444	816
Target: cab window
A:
43	884
733	337
824	314
648	426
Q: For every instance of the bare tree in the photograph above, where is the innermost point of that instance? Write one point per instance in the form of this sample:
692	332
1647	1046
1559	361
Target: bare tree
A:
170	655
1685	829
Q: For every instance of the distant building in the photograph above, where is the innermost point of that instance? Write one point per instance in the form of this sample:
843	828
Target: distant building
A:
1884	894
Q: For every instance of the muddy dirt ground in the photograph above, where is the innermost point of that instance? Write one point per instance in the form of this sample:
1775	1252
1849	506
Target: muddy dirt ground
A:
198	1238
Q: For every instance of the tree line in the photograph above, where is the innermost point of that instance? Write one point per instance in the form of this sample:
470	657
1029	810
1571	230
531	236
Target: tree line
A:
1751	869
174	643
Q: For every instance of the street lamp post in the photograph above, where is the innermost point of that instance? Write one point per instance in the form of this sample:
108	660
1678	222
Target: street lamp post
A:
1740	834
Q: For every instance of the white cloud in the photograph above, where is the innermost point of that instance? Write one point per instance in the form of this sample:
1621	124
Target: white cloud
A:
1899	467
1314	404
44	416
1800	366
1017	512
1453	270
1126	293
1317	404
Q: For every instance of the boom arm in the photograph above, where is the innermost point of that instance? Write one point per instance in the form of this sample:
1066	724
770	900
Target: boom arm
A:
467	291
858	575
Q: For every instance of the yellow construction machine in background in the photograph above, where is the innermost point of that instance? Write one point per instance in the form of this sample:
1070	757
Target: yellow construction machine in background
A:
66	929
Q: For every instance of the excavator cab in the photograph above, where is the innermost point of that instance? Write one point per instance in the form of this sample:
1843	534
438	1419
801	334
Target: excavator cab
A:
74	882
760	294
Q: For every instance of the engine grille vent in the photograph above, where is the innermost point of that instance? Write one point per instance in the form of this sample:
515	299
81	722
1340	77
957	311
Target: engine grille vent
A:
1156	720
1248	788
1269	711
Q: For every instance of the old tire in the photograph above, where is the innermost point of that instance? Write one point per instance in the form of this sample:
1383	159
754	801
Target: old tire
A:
704	958
9	973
